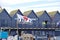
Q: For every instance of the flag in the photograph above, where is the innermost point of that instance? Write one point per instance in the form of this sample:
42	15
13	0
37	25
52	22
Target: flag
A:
19	18
24	19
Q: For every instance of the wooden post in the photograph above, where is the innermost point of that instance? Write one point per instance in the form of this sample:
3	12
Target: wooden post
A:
1	28
9	30
49	37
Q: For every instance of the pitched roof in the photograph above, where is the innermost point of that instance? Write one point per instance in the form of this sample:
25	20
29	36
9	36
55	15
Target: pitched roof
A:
39	13
26	13
2	10
52	13
5	11
13	12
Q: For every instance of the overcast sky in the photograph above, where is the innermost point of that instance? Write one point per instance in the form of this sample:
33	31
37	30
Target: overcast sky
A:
36	5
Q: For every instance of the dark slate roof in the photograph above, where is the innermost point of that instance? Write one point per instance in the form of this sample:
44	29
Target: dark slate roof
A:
39	13
5	11
26	13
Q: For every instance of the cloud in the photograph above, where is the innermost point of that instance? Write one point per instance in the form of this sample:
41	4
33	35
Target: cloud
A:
43	5
8	9
40	9
48	9
12	2
55	4
36	5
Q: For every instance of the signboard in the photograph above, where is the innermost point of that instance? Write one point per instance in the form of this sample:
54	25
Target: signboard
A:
3	34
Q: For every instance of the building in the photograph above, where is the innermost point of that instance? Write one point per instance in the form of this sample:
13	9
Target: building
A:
5	19
55	15
44	19
14	16
31	14
44	27
14	20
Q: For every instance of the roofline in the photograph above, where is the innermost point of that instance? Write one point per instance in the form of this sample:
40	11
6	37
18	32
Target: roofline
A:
33	12
6	12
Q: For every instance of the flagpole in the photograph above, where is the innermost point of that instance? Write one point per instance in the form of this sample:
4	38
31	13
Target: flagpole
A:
17	27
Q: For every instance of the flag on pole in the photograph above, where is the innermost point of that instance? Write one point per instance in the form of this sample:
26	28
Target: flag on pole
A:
24	19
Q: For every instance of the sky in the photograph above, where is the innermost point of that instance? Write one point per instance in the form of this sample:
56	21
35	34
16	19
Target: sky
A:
36	5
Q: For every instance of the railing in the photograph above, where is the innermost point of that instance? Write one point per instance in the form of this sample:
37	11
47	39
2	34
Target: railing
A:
28	28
